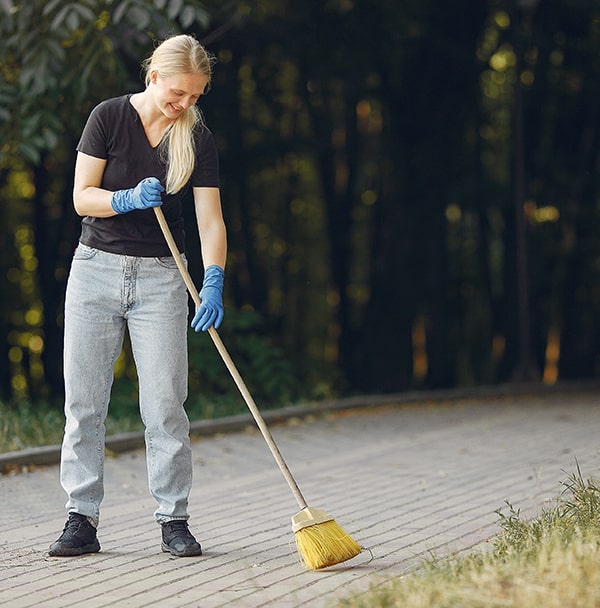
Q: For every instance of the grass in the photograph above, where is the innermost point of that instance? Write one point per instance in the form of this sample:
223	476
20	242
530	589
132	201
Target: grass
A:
552	561
27	426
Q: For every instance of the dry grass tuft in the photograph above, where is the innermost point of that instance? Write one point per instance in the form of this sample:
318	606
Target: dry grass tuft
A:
552	561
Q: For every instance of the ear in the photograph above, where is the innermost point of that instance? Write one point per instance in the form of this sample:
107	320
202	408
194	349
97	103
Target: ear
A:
153	76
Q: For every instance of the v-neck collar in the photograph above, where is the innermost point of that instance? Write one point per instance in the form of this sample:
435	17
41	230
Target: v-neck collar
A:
140	123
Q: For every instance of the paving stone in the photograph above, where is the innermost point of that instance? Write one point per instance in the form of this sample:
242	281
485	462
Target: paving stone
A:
405	479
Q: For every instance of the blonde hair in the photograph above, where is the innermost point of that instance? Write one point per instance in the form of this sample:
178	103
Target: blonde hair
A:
181	54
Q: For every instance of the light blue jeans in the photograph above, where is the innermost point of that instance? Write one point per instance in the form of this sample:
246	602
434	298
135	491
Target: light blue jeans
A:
105	294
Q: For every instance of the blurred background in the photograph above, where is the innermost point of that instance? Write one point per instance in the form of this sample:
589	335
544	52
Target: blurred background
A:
411	189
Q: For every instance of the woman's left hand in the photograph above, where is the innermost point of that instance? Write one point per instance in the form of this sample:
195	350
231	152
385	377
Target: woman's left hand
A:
211	310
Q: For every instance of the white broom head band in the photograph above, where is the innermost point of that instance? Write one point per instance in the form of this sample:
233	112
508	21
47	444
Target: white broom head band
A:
309	517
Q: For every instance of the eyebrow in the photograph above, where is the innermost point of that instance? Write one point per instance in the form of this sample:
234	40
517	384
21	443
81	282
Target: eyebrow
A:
182	91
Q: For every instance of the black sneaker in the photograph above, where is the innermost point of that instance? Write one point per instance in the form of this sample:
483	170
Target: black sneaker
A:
178	540
78	538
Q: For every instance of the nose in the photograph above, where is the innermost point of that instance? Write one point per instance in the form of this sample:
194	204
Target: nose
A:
186	103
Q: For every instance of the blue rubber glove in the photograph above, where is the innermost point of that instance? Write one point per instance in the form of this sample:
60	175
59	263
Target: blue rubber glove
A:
211	311
145	195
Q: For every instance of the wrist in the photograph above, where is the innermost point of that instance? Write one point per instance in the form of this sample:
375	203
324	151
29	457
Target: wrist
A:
119	201
214	269
214	276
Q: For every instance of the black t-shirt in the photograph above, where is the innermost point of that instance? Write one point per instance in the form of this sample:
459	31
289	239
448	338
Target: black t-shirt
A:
114	132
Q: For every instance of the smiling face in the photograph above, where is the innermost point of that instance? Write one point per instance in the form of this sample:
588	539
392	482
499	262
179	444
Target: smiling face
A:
174	94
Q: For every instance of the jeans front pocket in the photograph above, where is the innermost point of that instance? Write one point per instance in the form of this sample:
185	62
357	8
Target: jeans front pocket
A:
83	252
170	262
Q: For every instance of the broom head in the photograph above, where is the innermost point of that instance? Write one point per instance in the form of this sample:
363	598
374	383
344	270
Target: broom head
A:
320	541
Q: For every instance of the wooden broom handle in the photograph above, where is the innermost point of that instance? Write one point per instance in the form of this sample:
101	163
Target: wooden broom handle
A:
264	429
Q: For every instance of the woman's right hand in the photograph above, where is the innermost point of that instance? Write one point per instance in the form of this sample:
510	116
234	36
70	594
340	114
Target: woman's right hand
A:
145	195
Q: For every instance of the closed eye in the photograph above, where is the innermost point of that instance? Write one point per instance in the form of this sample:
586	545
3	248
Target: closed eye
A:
181	93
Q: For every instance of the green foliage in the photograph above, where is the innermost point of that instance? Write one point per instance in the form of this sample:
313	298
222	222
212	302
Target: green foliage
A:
123	408
517	535
270	378
577	509
580	504
268	375
25	425
576	512
57	60
57	54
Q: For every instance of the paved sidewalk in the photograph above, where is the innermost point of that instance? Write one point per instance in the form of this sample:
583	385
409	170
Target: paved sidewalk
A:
404	479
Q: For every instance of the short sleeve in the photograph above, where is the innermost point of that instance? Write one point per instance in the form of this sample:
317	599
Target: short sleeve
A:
93	141
206	171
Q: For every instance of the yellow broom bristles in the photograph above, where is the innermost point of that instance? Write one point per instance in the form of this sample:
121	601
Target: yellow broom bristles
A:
325	544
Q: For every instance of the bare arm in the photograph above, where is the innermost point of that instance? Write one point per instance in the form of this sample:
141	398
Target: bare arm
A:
88	197
211	227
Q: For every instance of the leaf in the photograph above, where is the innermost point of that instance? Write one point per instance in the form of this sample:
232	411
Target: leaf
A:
28	41
8	92
51	121
55	50
120	11
29	152
90	64
59	18
50	138
187	17
26	76
139	17
86	12
174	9
7	6
72	20
49	7
30	125
202	17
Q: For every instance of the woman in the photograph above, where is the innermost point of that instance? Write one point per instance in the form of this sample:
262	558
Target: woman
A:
137	152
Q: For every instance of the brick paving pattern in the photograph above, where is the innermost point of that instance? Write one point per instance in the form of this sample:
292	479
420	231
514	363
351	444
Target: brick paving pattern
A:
406	480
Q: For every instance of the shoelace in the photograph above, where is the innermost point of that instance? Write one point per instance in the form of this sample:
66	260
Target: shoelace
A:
177	525
72	525
72	522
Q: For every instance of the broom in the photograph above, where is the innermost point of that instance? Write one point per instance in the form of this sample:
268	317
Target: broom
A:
320	541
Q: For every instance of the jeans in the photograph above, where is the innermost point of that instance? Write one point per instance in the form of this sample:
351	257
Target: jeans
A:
105	294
